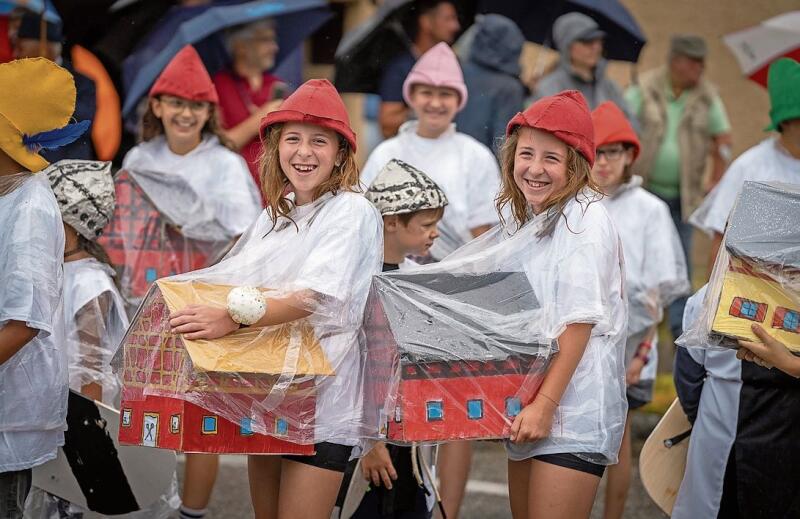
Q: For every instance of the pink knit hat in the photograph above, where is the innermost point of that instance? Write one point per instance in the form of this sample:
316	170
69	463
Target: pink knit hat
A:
438	67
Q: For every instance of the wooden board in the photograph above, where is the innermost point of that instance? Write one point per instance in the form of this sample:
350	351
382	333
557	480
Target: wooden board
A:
662	468
93	471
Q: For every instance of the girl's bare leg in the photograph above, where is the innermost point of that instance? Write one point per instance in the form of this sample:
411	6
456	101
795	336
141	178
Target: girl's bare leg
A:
453	464
265	483
556	492
199	475
519	473
619	478
307	491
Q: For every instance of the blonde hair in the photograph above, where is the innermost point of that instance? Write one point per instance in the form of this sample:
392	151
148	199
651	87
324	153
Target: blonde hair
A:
274	181
578	177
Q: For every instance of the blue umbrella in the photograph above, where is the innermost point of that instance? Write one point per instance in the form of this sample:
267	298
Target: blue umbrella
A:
37	6
200	25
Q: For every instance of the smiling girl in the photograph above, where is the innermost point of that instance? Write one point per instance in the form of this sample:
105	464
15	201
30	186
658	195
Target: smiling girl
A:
561	442
316	246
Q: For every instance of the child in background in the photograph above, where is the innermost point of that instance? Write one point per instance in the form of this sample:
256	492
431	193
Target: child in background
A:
411	205
33	368
561	442
465	170
182	138
655	270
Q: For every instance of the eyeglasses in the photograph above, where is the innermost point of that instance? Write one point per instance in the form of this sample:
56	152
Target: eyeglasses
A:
611	154
179	104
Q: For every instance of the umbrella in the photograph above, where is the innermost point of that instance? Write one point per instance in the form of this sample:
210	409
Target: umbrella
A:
755	48
364	52
37	6
200	25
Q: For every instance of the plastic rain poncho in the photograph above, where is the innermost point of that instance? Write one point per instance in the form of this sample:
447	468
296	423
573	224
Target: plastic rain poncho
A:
95	324
489	316
307	375
756	276
33	382
655	268
463	168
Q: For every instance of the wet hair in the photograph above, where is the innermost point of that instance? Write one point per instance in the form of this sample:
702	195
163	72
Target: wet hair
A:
274	182
152	126
578	177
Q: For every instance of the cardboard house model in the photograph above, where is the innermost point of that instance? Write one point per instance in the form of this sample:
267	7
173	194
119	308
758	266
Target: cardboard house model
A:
170	382
145	242
761	281
448	352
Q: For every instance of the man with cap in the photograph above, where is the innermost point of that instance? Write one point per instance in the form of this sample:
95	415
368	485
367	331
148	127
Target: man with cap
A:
28	45
776	158
33	409
683	122
582	66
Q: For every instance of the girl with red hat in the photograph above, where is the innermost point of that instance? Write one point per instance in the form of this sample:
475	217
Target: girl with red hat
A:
655	270
560	443
182	138
316	247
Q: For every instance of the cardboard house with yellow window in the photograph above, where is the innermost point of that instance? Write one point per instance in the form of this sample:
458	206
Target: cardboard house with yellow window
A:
760	277
264	378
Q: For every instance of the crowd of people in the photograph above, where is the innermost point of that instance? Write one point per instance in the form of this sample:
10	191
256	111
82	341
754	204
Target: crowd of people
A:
593	191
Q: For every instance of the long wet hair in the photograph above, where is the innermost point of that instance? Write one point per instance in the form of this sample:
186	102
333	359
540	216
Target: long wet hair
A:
152	126
578	177
274	182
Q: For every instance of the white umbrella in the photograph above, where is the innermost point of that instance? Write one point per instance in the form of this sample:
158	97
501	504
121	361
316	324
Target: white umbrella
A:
758	46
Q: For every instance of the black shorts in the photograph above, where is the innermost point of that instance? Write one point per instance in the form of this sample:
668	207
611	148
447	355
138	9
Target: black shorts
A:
571	461
635	403
330	456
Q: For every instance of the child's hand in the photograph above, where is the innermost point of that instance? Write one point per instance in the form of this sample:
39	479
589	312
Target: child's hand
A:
770	353
202	322
377	466
634	371
533	422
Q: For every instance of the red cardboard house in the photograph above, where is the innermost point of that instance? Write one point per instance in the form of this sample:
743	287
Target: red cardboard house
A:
170	382
451	353
146	245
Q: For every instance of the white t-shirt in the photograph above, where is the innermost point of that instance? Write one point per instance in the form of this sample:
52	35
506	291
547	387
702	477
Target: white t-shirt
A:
464	169
218	176
90	353
764	162
333	248
33	382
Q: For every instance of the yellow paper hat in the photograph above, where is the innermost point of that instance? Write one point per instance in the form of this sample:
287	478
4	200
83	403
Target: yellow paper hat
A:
37	102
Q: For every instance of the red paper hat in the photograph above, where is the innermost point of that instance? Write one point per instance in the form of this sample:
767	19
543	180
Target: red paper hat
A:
186	77
611	125
315	102
566	115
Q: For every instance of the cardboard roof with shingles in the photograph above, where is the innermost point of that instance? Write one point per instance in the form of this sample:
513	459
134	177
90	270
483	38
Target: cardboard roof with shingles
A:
764	225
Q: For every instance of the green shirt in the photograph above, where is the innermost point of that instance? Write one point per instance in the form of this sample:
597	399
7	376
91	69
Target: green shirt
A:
665	176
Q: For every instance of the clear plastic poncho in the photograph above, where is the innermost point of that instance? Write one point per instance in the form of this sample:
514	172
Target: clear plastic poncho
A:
655	268
302	381
756	276
95	324
469	338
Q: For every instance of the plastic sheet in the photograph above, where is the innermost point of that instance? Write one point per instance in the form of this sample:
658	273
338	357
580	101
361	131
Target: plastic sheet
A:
756	277
161	227
301	382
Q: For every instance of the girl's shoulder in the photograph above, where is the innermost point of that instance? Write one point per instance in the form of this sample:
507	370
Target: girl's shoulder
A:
355	204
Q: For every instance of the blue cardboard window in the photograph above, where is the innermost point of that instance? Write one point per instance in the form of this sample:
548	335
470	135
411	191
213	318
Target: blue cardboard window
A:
749	309
513	406
791	321
435	410
246	427
209	425
475	409
281	427
150	275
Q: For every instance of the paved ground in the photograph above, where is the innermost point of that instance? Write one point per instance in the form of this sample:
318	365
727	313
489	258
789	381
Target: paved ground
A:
487	496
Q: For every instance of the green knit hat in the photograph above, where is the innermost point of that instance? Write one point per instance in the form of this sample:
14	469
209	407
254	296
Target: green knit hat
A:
783	83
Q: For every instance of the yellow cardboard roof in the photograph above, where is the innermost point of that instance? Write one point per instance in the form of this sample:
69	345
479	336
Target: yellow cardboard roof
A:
248	350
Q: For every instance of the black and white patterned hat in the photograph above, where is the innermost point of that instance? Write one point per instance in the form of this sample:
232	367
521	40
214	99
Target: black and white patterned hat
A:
84	190
401	188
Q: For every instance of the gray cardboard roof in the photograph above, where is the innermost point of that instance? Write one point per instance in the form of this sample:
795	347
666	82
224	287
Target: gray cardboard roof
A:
765	224
454	317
